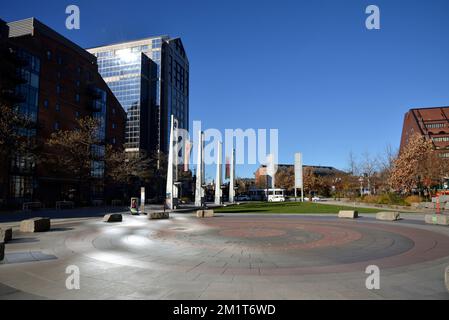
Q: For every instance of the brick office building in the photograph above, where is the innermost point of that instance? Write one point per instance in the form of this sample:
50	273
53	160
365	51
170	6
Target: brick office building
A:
261	173
432	123
60	84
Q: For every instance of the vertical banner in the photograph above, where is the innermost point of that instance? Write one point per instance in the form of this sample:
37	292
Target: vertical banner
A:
272	168
228	168
170	177
298	171
187	151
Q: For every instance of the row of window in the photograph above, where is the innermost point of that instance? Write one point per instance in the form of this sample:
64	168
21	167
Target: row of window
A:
440	139
57	105
60	61
156	43
435	125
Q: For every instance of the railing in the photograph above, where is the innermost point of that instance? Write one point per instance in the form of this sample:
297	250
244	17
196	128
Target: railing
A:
31	206
116	203
97	203
64	204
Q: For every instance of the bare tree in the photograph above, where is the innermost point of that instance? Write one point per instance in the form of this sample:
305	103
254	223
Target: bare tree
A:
385	165
368	167
353	167
71	153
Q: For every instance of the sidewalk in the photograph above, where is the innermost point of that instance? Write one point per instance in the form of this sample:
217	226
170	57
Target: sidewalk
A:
379	206
82	213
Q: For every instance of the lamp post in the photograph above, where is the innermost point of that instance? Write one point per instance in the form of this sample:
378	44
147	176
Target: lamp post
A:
361	185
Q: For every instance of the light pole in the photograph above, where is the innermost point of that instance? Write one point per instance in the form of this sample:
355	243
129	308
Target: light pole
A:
361	186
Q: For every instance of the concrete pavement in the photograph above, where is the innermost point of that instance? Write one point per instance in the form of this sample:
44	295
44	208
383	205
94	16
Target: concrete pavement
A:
229	257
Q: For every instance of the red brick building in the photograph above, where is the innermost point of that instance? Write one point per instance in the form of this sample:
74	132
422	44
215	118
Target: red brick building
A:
261	173
61	85
432	123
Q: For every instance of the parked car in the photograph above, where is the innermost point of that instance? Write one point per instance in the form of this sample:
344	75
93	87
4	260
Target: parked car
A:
242	197
314	199
276	198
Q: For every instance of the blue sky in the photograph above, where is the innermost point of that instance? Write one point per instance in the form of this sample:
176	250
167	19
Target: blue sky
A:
308	68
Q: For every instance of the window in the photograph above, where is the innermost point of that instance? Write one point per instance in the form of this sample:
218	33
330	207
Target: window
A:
21	187
46	104
56	126
58	75
78	83
77	97
58	107
444	155
48	55
113	141
97	169
114	125
58	89
77	114
59	60
78	70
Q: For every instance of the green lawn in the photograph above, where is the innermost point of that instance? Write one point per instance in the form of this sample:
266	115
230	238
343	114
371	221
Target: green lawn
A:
290	207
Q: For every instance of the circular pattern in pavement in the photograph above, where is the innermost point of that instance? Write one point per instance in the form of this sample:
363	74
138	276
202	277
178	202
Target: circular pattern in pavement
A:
257	245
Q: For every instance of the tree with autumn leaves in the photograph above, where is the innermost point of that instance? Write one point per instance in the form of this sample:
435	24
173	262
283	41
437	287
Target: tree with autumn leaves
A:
417	166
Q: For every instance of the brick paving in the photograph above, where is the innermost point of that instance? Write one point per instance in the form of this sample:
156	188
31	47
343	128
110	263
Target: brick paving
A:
229	257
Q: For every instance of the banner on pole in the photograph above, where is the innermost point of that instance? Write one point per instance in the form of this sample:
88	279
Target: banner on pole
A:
298	171
187	151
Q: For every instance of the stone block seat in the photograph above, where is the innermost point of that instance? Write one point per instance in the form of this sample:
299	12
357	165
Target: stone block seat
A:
159	215
5	234
348	214
35	225
2	251
113	217
388	216
439	219
205	213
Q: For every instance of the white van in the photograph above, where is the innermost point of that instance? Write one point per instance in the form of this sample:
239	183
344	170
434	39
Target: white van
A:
276	195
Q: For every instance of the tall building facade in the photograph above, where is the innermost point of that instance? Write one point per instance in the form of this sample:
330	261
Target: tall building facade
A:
150	78
432	123
59	84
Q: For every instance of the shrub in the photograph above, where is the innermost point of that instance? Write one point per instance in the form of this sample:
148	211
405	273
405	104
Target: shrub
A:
370	199
385	198
391	198
413	199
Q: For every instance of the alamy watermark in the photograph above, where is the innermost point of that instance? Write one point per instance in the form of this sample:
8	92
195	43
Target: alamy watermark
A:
372	282
73	280
372	22
73	21
252	146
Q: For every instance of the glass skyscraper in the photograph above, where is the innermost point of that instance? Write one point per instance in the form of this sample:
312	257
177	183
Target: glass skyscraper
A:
150	78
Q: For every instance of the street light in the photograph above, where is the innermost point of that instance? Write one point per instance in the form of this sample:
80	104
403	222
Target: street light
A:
361	185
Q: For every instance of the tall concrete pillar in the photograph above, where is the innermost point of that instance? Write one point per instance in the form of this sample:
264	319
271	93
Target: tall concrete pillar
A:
199	191
272	168
218	178
232	178
170	188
